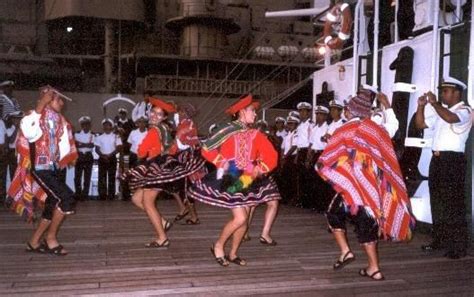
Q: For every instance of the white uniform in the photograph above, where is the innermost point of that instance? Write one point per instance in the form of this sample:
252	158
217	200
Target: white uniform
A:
387	120
304	133
135	138
85	138
334	125
315	138
107	143
288	142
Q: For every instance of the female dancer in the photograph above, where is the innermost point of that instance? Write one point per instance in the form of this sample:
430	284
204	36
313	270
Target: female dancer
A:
243	157
160	170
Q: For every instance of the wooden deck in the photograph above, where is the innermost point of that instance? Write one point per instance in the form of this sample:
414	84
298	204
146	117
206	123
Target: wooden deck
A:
108	257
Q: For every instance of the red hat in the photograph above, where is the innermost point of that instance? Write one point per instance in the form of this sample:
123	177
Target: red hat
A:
168	107
241	104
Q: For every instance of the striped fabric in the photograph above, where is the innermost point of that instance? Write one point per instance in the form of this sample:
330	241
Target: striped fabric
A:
360	163
209	190
164	169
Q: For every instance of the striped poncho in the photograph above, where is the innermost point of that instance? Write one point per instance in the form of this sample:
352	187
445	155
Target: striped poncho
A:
360	163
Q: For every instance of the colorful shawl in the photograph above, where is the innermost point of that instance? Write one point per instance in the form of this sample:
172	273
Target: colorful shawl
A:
24	189
223	134
360	163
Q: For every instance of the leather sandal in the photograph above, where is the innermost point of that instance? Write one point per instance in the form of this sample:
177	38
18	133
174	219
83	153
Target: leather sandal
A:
237	260
220	260
266	242
363	272
156	245
345	260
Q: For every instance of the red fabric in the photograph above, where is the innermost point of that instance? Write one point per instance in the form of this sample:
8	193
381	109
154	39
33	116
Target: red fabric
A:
360	163
187	133
168	107
150	146
23	188
241	104
247	148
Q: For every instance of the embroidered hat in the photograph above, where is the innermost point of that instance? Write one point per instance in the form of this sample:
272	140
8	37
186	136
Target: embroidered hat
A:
166	106
242	103
361	104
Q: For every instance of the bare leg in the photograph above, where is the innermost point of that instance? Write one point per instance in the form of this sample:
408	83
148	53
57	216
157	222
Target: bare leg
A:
179	201
52	233
153	214
138	197
237	236
238	220
249	222
341	241
270	215
193	216
373	259
36	237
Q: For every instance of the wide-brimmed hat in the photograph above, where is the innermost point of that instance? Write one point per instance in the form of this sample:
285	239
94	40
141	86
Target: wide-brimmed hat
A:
242	103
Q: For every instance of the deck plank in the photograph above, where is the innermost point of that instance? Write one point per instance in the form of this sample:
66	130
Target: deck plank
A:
107	257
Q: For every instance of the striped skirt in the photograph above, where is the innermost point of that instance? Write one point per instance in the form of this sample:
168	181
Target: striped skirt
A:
211	191
163	172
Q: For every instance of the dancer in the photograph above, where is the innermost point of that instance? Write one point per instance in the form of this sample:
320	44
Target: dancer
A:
160	170
244	157
45	145
360	162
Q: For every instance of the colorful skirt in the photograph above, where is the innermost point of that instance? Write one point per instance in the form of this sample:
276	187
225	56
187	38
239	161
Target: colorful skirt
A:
164	172
212	191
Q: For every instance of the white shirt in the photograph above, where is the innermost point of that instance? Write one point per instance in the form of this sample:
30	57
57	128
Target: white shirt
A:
334	125
289	141
451	137
107	143
315	138
10	131
304	132
135	138
281	133
3	132
387	120
85	138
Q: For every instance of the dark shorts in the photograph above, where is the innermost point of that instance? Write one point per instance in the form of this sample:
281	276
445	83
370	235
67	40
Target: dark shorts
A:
59	194
366	227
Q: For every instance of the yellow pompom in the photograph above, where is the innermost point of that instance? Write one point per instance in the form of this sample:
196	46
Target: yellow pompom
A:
246	180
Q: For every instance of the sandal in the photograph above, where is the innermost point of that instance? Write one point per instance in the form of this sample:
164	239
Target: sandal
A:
57	250
345	260
220	260
167	226
191	222
266	242
39	249
179	217
156	245
363	272
237	260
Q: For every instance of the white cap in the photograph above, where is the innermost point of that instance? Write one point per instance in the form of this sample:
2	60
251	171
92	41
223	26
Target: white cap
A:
294	113
336	103
107	120
450	82
292	119
16	114
304	105
280	119
122	110
7	83
84	119
142	117
321	109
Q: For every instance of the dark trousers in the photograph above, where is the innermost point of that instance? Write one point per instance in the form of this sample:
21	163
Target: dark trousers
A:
305	179
107	170
286	180
323	191
132	162
446	182
83	166
12	162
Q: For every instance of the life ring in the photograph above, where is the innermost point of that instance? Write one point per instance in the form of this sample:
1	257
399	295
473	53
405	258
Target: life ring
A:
340	13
